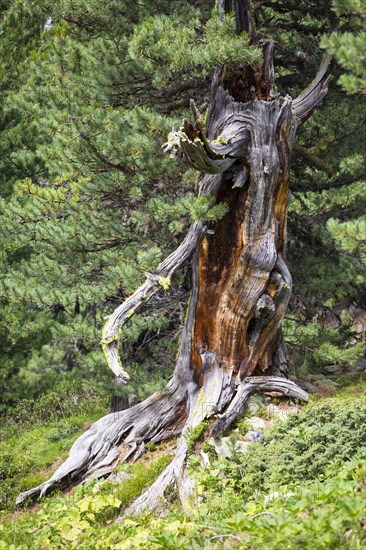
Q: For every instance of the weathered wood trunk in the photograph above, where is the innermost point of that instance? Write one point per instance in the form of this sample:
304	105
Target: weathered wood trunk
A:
244	284
232	342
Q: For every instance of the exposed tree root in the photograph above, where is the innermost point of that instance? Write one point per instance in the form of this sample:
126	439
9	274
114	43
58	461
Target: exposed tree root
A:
240	281
119	436
175	473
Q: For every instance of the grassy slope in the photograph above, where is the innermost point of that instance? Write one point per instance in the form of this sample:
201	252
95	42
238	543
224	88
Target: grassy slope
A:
38	435
305	488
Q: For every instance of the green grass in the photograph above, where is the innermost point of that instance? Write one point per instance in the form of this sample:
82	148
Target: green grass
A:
352	385
74	520
31	444
304	488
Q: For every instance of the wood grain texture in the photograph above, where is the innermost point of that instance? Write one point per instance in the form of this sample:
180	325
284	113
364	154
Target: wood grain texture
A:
232	342
152	285
305	103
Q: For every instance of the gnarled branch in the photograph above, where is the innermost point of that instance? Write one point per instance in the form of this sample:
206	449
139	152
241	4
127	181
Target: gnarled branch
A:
209	157
305	103
151	286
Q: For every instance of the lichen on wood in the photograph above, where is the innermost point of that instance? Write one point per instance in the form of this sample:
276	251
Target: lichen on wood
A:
231	344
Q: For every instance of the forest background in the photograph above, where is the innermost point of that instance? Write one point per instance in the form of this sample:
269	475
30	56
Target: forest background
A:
90	202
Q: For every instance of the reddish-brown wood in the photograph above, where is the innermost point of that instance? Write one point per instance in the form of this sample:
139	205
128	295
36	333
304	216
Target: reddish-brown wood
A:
241	285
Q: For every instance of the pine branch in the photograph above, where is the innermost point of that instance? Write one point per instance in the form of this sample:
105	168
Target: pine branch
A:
105	160
312	159
332	184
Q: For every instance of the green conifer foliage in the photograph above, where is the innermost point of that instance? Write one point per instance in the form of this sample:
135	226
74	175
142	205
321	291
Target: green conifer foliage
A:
349	44
89	202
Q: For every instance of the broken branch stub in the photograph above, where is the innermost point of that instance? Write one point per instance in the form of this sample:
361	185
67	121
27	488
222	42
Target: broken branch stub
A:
305	103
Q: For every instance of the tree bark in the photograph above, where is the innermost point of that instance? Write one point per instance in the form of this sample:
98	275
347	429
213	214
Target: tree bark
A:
232	343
